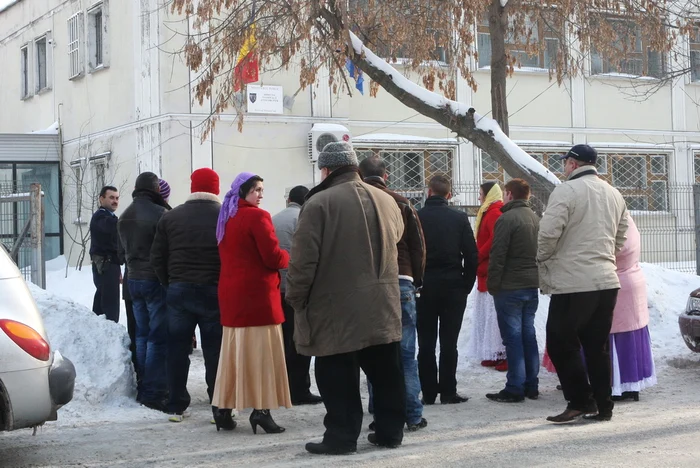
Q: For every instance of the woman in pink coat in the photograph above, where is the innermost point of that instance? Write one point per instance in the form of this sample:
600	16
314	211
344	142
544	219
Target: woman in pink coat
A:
630	343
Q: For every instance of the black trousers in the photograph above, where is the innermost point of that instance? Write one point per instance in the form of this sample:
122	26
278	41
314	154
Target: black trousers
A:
582	320
338	379
446	306
106	300
297	365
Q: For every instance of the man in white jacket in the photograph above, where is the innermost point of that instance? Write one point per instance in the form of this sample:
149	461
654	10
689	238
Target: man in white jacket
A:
581	230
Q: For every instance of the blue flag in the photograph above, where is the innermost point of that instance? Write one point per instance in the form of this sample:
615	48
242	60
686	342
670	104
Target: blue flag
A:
356	74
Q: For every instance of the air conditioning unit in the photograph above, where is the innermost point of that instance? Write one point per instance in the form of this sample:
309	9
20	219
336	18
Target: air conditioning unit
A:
322	134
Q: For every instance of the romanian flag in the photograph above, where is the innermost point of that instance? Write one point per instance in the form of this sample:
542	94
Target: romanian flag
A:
246	69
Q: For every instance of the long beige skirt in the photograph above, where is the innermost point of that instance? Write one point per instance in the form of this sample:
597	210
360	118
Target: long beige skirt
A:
252	372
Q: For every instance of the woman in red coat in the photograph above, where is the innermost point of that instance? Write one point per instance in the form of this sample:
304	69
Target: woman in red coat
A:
485	343
252	371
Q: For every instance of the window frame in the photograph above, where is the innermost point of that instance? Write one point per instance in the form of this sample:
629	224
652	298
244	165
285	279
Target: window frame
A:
93	38
25	67
46	38
608	68
545	33
75	42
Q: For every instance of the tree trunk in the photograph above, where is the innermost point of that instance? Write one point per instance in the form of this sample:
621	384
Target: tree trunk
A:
498	24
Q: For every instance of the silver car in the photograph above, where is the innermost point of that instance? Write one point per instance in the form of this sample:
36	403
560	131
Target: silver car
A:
35	381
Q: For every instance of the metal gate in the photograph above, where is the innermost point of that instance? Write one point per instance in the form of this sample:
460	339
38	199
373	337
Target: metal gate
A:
22	229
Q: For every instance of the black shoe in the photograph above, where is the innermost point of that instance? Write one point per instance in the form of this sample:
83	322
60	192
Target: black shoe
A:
452	399
323	449
224	420
428	400
600	417
309	399
263	418
634	396
156	405
374	440
505	397
372	426
532	394
419	425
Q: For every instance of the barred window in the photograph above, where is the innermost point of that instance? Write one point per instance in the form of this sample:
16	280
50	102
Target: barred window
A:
642	178
410	168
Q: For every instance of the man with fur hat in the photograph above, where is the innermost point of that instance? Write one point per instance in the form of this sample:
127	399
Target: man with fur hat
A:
343	285
137	228
581	230
185	256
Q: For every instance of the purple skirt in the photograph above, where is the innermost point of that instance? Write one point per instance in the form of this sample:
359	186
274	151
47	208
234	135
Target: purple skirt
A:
632	361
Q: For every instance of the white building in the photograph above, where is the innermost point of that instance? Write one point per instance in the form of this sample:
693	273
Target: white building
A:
107	72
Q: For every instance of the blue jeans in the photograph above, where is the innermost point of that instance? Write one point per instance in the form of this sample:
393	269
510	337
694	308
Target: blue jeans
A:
516	319
414	407
190	305
151	318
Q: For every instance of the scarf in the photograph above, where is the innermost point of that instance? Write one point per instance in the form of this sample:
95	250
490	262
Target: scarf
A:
494	195
229	207
328	181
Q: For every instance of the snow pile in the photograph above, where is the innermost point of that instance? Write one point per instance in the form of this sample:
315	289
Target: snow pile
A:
98	348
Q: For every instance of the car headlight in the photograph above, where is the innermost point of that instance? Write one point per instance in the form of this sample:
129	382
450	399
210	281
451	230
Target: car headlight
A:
693	305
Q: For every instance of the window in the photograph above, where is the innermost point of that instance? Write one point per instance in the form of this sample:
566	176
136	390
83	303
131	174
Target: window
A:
97	36
75	39
695	54
637	57
641	178
41	66
539	51
24	67
410	168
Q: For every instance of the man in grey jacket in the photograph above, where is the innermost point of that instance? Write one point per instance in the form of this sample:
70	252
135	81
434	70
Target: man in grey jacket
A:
285	223
582	229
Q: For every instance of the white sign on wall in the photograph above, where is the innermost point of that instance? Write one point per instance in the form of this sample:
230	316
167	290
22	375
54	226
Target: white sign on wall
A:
265	99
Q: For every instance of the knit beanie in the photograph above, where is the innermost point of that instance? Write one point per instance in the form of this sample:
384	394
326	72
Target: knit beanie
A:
164	189
205	180
337	154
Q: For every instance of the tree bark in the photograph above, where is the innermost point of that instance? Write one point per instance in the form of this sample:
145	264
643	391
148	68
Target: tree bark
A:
498	24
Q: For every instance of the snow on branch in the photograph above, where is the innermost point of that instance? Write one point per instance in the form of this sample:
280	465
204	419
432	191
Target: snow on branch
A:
460	118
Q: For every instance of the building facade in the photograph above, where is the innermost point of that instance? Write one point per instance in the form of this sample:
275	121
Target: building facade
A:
110	73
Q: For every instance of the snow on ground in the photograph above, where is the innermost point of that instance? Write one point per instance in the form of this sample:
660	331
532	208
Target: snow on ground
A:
105	384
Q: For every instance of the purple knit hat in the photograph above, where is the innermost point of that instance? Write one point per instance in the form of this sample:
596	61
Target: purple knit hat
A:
229	207
164	189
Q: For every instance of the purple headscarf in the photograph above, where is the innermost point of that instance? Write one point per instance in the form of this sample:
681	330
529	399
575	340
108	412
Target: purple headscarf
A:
229	207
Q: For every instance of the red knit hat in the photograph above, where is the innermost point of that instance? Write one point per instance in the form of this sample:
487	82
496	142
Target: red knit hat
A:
205	180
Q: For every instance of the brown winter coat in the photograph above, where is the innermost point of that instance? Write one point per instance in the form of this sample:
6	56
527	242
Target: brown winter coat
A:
412	243
343	276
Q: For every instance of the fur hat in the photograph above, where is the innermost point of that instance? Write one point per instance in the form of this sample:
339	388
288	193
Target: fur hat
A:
337	154
205	180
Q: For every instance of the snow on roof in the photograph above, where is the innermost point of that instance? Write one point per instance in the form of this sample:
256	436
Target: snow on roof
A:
401	138
5	4
326	127
52	130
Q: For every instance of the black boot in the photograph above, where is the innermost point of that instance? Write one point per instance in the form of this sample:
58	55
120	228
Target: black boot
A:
223	419
324	449
263	418
634	396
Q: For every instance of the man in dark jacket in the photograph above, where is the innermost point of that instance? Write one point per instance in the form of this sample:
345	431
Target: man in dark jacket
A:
411	259
104	246
450	272
185	256
137	228
285	223
513	282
